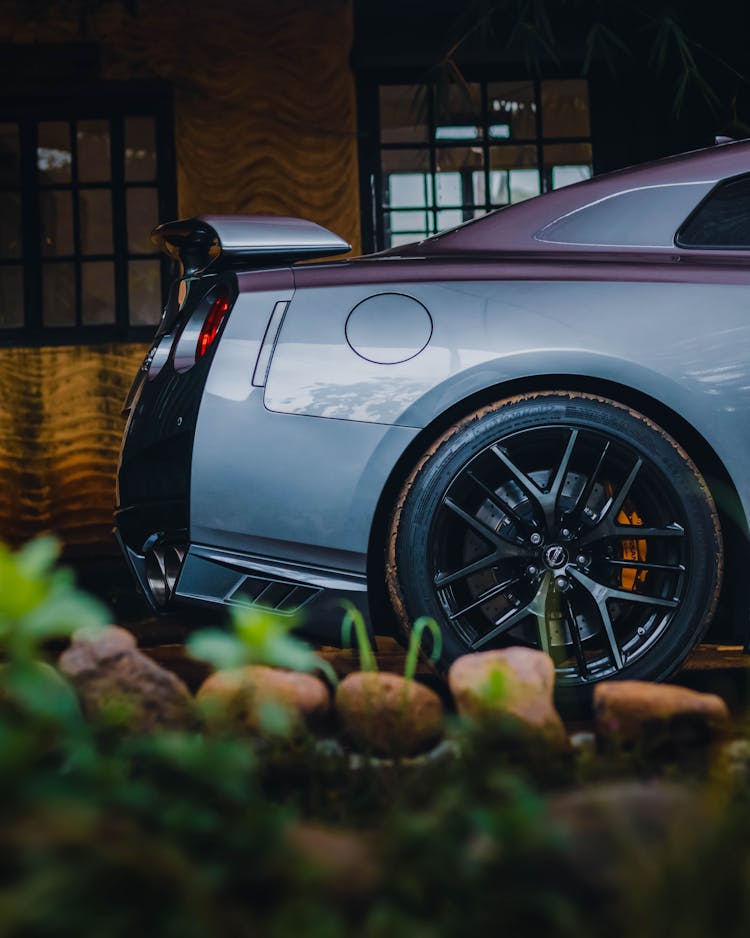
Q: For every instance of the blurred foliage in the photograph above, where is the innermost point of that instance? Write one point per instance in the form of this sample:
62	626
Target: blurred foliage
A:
178	835
659	37
257	637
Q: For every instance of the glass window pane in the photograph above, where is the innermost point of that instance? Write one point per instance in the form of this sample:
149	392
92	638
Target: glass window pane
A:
512	110
403	113
98	293
143	216
58	295
144	286
723	220
140	149
398	239
10	158
11	297
458	109
449	219
514	175
455	174
565	108
524	184
53	153
406	190
57	222
410	221
93	151
407	182
95	219
10	224
566	163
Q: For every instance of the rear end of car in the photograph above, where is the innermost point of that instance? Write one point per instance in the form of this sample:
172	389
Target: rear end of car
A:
222	261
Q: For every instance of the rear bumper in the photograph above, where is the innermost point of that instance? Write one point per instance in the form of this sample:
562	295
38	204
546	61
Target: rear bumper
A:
208	576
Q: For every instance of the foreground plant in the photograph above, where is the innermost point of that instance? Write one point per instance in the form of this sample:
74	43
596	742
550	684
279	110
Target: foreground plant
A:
245	692
385	713
39	601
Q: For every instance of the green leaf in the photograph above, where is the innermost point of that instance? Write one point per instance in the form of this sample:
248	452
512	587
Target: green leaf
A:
353	618
220	650
415	641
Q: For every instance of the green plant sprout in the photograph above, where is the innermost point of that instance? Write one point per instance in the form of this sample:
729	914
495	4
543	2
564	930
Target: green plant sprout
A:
257	637
415	642
354	620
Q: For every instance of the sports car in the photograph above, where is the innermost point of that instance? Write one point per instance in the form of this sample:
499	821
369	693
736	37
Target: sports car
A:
534	428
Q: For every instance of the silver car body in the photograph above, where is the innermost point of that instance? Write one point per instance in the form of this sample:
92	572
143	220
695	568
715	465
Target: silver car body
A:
330	379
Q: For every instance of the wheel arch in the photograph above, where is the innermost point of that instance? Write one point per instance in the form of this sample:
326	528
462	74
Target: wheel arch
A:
734	600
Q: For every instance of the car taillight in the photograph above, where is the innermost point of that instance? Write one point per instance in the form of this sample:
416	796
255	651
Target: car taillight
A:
211	325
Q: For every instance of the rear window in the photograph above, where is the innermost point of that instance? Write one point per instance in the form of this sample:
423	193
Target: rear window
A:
722	220
644	217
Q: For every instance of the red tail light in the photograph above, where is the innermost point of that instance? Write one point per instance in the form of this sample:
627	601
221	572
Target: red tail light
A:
211	325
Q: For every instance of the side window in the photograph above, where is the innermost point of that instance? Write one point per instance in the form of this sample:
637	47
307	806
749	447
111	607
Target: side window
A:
722	220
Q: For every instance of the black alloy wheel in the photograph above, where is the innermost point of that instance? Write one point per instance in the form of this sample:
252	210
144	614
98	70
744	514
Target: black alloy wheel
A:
563	522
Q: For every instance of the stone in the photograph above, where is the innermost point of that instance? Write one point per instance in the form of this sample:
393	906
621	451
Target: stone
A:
627	712
344	860
114	680
512	682
608	828
264	700
386	714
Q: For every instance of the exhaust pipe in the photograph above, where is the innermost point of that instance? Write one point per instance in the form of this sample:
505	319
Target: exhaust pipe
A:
163	563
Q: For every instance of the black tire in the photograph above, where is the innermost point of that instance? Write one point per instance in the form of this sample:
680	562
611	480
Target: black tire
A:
570	470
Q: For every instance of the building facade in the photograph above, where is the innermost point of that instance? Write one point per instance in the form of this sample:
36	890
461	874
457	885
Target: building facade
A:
116	115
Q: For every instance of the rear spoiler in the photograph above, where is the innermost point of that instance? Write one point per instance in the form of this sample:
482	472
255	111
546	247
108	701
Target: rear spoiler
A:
244	240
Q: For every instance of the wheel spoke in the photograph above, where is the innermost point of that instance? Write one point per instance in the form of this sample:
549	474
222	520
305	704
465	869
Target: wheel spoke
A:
600	594
606	529
445	579
526	482
500	502
486	596
506	548
562	471
644	565
512	618
585	493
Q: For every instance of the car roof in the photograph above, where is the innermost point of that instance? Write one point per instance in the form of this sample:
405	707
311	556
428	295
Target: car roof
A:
652	198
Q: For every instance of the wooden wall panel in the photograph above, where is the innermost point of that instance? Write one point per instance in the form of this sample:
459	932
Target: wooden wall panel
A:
60	429
264	123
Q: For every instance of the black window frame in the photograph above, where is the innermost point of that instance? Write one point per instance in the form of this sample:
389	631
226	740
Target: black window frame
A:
708	197
369	81
114	102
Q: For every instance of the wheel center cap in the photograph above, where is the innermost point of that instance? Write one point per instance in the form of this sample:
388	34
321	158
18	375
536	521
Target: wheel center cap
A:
555	556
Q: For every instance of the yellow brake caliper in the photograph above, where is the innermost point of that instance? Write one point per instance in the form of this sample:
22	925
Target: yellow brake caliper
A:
632	550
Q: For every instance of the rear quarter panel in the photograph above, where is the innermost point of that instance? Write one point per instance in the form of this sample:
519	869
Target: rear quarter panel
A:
668	335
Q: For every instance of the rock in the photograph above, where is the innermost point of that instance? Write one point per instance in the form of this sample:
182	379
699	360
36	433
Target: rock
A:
610	828
385	714
517	682
264	700
113	678
627	712
344	860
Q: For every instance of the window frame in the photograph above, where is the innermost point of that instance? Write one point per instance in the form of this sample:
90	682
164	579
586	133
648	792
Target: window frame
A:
113	102
370	80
